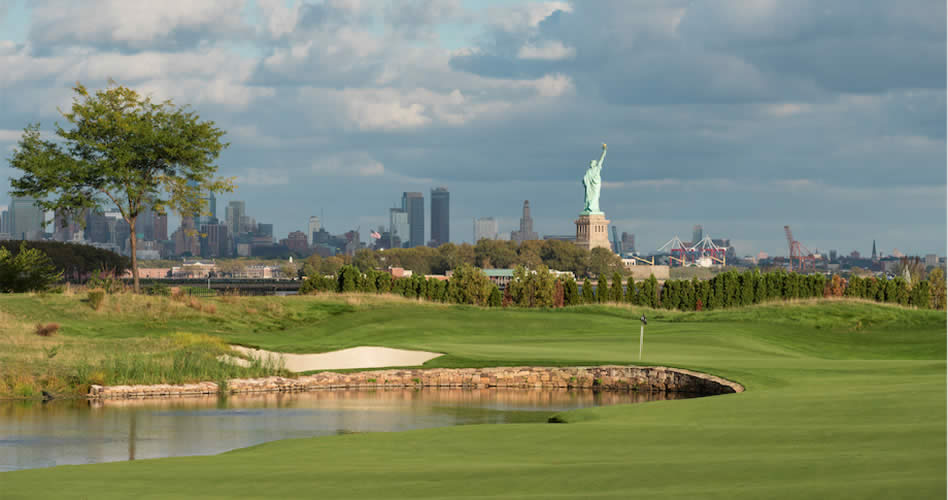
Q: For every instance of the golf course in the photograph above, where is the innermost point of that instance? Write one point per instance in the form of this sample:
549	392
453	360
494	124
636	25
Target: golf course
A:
843	399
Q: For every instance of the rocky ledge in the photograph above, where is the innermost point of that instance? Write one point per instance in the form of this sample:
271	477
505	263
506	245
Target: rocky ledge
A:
609	378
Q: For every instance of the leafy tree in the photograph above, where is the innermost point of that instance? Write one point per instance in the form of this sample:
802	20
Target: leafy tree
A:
347	279
123	150
495	299
687	295
920	296
559	293
616	291
470	286
630	294
835	287
588	297
29	270
602	263
366	260
383	282
936	287
571	296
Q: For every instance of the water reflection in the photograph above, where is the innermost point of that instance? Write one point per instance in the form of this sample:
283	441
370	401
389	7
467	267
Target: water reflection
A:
76	432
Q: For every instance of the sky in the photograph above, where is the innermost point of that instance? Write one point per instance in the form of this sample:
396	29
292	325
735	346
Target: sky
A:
739	115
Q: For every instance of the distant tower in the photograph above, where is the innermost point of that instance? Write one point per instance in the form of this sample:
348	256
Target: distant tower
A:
697	234
526	226
414	205
440	216
875	256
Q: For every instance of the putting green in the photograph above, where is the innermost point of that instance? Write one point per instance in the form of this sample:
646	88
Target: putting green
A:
843	400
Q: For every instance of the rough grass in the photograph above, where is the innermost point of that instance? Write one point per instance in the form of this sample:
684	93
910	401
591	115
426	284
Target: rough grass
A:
844	400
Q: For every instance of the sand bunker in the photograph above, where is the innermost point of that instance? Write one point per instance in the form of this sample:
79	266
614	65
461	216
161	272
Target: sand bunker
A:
355	357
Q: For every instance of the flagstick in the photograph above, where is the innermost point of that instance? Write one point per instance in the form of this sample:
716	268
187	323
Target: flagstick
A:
641	337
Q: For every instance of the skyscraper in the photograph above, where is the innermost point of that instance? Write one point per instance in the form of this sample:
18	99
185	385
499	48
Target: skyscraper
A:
628	243
414	205
161	227
440	216
4	221
233	213
526	226
485	228
398	227
697	234
314	225
27	221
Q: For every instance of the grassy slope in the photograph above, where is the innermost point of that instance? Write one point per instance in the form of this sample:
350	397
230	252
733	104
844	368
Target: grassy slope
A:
843	400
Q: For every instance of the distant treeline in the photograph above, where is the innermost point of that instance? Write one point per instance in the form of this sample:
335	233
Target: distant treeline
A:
76	261
540	288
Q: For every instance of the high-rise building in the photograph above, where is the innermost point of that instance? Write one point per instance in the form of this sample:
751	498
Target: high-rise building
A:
27	220
161	227
4	221
526	226
485	228
64	226
265	230
697	234
440	216
232	214
628	243
399	227
186	240
314	226
215	240
414	205
931	260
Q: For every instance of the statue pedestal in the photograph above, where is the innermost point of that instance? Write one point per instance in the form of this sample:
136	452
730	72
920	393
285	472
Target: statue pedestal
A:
593	231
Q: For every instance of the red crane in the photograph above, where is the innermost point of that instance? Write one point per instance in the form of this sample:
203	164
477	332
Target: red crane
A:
801	258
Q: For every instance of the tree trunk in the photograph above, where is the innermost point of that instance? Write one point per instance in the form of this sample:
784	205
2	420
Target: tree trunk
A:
133	240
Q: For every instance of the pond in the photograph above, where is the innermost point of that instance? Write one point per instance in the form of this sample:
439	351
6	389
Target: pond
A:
37	434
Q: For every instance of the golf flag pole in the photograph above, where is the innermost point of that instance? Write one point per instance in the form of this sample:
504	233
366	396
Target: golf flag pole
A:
642	334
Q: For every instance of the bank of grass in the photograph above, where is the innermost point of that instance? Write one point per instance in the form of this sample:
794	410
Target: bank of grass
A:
844	400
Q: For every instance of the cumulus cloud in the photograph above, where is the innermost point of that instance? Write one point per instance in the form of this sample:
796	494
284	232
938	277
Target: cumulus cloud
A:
550	51
352	164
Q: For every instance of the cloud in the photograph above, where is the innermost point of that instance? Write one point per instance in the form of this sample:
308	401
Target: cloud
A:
135	25
256	177
354	164
549	51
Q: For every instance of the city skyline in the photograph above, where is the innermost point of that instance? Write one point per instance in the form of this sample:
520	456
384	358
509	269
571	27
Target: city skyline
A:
716	112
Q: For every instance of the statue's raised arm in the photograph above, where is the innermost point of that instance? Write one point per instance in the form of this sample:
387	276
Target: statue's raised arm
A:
603	157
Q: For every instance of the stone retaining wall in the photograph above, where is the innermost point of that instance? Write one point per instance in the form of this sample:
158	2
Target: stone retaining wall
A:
639	378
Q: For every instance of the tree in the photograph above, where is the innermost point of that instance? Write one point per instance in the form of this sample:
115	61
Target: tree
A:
125	150
616	291
347	279
365	259
495	299
571	296
919	296
630	294
470	285
588	297
936	287
602	263
29	270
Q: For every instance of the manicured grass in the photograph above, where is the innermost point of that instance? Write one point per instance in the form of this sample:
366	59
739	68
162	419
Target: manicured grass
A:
843	400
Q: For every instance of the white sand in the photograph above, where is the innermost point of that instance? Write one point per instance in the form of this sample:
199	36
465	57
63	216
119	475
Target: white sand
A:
355	357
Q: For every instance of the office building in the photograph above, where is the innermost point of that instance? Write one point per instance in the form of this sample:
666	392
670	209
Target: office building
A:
697	234
314	226
414	205
215	240
232	215
628	243
931	260
208	213
399	228
440	216
4	221
27	220
186	240
296	241
161	227
265	230
526	232
485	228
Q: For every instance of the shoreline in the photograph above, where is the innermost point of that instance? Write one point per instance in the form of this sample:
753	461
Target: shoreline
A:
606	378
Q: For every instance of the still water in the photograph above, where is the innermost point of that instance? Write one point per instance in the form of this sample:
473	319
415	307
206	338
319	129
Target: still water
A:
35	434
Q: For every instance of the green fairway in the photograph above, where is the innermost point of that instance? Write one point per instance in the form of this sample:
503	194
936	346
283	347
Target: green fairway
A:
843	400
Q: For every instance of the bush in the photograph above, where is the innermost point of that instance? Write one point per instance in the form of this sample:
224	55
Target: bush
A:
47	330
159	289
96	298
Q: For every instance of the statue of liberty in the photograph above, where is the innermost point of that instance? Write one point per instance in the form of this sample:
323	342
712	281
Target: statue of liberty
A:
591	185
